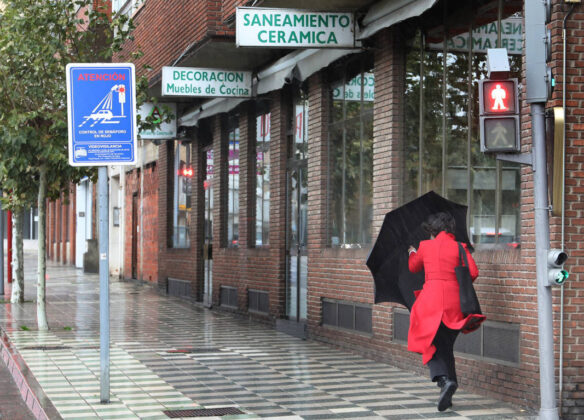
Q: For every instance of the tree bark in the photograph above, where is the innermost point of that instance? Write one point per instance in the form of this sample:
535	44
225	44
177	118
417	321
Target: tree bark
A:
42	322
18	259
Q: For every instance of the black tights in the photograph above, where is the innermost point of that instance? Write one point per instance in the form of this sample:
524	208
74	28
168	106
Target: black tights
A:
442	363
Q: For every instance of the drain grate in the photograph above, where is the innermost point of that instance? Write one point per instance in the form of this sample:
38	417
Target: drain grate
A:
51	348
203	412
195	350
47	348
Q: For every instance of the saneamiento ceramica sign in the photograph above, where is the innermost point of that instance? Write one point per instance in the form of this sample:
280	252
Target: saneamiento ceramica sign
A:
189	81
263	27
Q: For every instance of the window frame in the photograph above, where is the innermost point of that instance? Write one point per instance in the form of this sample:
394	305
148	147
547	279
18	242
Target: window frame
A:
174	196
264	218
342	76
232	200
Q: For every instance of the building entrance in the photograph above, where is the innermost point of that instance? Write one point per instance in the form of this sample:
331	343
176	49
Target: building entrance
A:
208	230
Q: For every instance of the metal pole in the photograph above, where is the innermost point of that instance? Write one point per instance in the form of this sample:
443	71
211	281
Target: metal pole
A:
9	245
141	276
548	409
1	249
104	330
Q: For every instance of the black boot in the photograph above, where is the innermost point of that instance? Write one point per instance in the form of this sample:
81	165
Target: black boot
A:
441	380
447	389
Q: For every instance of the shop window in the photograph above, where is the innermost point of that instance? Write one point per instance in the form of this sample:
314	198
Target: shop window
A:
442	145
127	7
262	208
233	187
350	152
182	172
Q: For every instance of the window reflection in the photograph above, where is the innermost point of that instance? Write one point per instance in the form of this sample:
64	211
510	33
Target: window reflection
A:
233	189
262	179
351	151
182	190
442	145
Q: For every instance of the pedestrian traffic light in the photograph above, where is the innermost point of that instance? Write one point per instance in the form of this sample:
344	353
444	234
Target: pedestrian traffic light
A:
499	115
556	273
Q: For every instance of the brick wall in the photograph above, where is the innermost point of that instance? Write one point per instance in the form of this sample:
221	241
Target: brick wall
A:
147	248
165	29
261	268
573	335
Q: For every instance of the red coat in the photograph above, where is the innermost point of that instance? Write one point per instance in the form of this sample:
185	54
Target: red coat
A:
439	300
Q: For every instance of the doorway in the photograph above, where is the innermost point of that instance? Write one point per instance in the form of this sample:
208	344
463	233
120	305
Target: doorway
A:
296	222
208	229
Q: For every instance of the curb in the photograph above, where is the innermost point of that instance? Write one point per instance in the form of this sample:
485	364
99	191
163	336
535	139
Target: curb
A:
32	393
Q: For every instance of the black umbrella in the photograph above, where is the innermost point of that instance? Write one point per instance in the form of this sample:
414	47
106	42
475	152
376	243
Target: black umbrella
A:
402	227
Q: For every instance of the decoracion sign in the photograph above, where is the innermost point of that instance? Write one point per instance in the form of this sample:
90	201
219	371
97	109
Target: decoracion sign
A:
352	90
485	37
188	81
263	27
101	104
166	130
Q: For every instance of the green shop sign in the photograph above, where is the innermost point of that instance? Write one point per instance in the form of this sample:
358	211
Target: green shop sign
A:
262	27
188	81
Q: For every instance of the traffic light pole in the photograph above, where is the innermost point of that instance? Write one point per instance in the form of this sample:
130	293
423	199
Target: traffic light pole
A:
548	408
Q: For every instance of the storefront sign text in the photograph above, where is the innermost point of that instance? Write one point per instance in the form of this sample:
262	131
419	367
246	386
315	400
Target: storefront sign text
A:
187	81
262	27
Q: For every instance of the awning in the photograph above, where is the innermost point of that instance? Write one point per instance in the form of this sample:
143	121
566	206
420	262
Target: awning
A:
389	12
299	65
208	109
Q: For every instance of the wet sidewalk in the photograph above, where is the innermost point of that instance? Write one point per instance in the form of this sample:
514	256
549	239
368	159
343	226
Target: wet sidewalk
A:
168	355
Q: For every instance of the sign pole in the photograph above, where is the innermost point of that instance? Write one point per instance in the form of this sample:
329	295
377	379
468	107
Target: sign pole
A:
101	105
104	326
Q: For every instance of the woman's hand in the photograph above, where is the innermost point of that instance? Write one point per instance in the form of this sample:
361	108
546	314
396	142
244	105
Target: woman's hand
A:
411	249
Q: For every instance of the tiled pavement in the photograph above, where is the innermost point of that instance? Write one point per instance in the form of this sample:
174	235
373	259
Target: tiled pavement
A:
168	354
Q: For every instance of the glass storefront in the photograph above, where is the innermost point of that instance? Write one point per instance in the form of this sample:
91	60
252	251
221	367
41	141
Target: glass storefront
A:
442	144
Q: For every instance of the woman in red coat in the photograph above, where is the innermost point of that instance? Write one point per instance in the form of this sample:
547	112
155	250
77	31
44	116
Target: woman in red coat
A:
436	318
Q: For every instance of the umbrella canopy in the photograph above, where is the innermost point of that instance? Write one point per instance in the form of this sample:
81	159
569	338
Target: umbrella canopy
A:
402	227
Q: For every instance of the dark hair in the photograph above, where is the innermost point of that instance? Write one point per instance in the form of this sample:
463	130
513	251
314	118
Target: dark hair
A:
439	222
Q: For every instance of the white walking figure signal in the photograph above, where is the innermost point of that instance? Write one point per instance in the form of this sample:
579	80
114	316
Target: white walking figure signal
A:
103	112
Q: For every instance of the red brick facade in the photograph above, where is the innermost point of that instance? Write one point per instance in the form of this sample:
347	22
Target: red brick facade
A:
144	265
60	235
507	285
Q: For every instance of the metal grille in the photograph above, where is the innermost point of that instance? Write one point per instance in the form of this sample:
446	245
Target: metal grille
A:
195	350
203	412
47	348
52	348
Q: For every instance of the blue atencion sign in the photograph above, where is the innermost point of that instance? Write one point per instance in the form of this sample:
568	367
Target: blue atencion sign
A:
101	102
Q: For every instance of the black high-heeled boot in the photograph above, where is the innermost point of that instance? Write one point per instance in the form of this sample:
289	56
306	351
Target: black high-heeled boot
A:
447	389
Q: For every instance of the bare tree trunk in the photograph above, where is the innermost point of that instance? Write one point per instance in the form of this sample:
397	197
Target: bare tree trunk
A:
18	259
42	322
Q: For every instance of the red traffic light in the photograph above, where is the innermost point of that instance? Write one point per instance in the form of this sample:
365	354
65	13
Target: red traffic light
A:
499	97
187	171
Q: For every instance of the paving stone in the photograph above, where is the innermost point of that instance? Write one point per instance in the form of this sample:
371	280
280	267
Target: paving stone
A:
265	373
